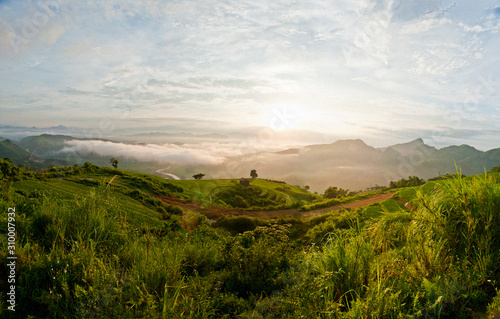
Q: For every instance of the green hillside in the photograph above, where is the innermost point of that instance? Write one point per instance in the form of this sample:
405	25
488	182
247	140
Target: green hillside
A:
210	192
103	243
45	144
14	152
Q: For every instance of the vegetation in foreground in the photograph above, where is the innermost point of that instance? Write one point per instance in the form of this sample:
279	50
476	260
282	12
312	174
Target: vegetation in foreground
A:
429	252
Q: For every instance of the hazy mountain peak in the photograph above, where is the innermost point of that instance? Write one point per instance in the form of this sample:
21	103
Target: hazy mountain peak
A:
409	147
58	127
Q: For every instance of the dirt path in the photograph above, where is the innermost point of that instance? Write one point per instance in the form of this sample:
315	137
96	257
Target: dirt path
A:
358	204
213	212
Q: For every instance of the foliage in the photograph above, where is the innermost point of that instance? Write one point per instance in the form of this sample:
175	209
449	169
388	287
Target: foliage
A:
410	182
239	196
198	176
334	192
255	260
237	224
152	185
11	172
253	173
495	169
114	162
80	255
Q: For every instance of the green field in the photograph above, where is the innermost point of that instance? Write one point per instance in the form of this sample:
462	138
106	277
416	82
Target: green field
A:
87	247
203	191
68	192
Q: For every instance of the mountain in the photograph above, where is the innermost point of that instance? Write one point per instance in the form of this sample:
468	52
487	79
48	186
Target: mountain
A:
350	164
58	128
354	165
16	153
45	144
412	147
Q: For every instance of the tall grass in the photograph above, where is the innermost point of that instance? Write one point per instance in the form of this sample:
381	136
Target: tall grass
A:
84	259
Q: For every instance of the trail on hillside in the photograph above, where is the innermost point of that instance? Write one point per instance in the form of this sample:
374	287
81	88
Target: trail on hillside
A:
358	204
213	212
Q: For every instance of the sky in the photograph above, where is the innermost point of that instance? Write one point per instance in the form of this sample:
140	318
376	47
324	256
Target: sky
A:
384	71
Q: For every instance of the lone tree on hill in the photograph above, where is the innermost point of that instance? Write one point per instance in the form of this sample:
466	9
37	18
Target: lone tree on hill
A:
253	173
334	192
114	162
198	176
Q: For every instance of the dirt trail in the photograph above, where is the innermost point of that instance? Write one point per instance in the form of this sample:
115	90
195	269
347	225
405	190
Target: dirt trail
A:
213	212
358	204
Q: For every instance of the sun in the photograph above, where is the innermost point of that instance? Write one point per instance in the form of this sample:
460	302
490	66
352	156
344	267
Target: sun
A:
284	116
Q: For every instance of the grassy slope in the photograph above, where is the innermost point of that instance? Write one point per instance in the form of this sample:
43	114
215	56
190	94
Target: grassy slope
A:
135	212
379	261
12	151
64	184
203	190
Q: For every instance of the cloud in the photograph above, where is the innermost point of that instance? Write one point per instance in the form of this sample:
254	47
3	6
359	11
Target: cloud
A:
208	153
228	63
150	152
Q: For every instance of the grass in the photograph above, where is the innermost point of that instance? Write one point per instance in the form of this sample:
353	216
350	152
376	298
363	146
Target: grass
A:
70	191
204	191
87	251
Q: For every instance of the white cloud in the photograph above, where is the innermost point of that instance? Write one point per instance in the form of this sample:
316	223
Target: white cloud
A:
207	153
151	152
228	63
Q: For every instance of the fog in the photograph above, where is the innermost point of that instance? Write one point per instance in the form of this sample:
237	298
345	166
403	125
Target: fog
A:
205	153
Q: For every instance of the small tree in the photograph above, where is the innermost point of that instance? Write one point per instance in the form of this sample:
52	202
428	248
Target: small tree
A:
198	176
253	173
114	162
334	192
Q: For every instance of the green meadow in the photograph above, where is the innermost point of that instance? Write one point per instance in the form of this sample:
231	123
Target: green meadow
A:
101	243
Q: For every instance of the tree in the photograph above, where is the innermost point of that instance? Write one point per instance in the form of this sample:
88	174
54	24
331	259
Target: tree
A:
88	167
198	176
307	187
410	182
334	192
253	173
114	162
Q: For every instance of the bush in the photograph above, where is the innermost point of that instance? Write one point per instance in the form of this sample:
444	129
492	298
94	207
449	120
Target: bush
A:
239	196
237	224
256	260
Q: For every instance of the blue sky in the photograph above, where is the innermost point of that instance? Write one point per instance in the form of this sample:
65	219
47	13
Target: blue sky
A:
382	71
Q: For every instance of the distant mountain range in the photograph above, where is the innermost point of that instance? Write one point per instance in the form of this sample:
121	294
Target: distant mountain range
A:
355	165
350	164
161	137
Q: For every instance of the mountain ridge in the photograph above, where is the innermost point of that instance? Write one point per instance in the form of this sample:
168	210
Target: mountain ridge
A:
347	163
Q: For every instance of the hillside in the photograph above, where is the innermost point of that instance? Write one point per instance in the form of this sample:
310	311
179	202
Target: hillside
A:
44	145
99	242
354	165
48	145
14	152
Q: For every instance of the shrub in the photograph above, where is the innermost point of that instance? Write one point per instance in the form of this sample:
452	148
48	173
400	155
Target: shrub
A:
237	224
256	259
